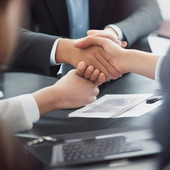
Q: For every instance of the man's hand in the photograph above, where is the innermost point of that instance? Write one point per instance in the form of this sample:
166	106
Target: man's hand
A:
95	56
108	33
116	55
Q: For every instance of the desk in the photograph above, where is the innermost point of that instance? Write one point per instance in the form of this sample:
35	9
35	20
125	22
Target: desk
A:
57	122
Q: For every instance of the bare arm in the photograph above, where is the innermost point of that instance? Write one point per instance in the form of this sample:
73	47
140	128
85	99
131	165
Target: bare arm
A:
140	63
72	91
124	60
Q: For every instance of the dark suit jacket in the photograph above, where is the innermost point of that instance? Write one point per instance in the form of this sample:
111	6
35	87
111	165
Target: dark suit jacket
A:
136	18
162	119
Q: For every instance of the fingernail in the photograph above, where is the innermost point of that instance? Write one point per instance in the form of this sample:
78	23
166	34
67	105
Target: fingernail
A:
80	65
124	43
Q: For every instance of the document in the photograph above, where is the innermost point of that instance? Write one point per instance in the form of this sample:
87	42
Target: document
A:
112	106
141	109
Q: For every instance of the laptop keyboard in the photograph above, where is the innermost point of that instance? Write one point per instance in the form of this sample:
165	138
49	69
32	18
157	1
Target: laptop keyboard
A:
95	149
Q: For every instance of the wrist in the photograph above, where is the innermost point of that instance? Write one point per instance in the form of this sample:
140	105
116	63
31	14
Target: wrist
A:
142	63
129	60
46	100
61	97
65	51
124	60
58	96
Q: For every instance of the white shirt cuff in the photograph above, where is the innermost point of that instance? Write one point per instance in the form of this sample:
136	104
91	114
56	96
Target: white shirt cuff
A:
118	31
158	67
30	107
53	53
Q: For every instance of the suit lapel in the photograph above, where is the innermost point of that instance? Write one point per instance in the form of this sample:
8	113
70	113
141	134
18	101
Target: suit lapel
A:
59	14
96	9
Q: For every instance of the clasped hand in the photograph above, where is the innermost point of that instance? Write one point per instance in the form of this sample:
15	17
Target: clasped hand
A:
106	48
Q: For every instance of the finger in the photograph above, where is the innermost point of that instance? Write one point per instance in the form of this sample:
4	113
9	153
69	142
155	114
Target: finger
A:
89	72
112	38
107	68
107	79
92	32
95	75
102	35
101	79
81	68
89	41
97	91
91	100
124	44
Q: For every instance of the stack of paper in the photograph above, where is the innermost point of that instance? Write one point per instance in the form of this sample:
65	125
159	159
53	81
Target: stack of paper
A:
112	106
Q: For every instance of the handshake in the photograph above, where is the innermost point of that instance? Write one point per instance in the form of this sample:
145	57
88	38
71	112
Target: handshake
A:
99	57
101	50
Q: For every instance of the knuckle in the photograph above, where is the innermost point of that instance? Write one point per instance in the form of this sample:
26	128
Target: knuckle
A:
97	91
91	99
89	38
116	76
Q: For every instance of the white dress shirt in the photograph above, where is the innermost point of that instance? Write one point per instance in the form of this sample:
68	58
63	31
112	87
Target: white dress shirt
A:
19	113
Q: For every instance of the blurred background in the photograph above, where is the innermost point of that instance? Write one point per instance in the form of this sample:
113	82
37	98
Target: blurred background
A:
165	8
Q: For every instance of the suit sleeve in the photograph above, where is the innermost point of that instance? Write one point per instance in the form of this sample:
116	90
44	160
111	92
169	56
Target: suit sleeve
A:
142	18
19	113
162	118
33	52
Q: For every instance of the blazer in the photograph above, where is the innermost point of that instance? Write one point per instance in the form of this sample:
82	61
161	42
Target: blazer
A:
162	119
136	18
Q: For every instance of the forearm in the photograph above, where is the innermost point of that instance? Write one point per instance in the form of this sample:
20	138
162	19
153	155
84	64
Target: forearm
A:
71	91
46	100
140	63
64	53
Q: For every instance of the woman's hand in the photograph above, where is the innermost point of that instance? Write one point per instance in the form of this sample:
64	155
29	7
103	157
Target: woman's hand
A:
121	59
71	91
108	33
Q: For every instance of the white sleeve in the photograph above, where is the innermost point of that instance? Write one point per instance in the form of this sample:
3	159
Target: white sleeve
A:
118	31
53	52
19	113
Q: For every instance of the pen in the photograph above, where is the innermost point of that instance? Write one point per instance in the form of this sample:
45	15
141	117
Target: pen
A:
153	100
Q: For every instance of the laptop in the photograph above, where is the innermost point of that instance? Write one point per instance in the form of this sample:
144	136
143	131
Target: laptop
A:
93	147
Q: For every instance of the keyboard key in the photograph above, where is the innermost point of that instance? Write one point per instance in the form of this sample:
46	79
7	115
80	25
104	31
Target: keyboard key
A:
90	149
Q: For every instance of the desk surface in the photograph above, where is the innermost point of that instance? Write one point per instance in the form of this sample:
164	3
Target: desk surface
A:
57	122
